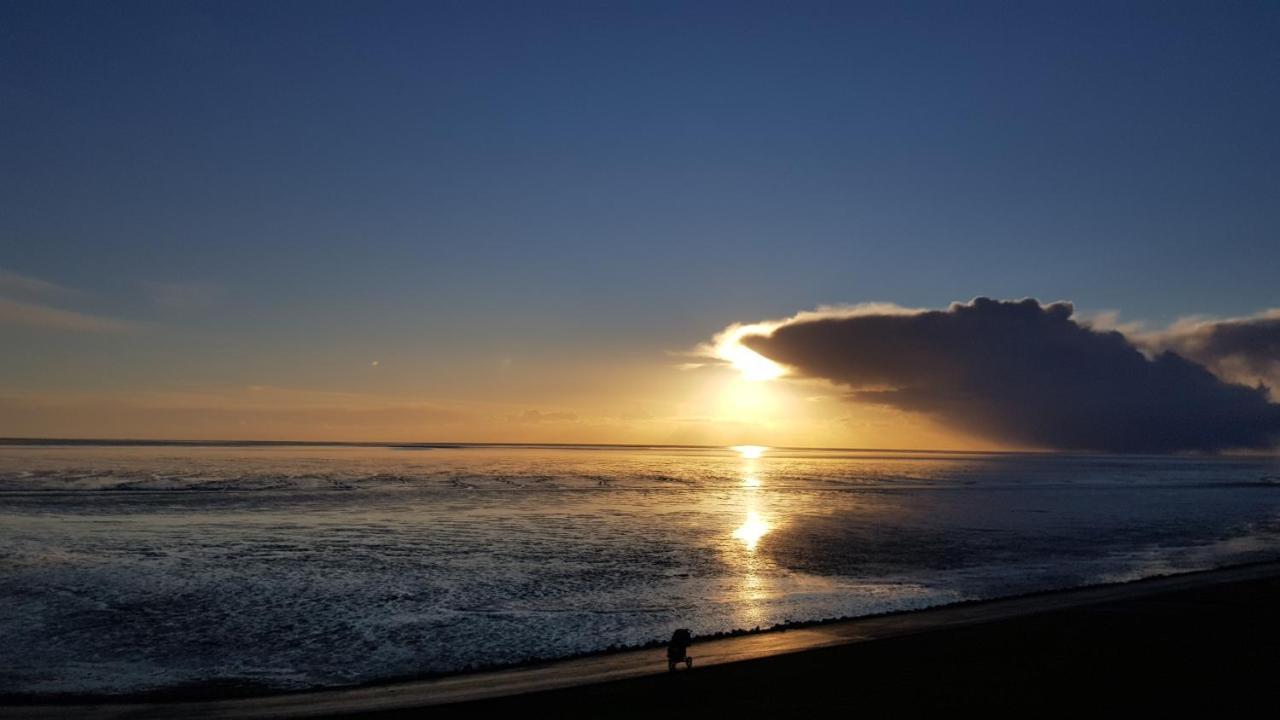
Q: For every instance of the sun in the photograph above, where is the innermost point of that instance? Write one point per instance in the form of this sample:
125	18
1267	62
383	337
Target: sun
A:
751	364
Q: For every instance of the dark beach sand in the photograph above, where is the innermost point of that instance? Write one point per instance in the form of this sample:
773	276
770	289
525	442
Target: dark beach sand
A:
1212	651
1204	643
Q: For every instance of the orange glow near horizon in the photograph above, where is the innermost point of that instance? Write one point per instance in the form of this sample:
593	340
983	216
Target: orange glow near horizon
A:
648	403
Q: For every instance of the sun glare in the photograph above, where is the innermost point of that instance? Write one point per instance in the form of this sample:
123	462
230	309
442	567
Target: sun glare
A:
749	452
751	364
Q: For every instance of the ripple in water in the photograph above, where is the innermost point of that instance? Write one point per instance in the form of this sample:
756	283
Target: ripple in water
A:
137	568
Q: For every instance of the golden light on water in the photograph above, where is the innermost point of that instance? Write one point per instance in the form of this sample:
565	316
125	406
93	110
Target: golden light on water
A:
755	526
750	531
753	590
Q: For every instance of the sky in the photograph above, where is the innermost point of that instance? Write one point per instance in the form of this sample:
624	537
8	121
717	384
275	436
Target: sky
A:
509	221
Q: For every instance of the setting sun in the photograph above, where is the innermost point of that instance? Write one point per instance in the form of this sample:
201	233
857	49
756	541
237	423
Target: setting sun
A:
753	365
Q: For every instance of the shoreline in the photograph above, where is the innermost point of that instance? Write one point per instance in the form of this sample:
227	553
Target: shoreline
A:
622	664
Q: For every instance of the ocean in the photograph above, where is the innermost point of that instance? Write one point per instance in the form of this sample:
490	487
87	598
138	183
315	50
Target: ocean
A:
131	568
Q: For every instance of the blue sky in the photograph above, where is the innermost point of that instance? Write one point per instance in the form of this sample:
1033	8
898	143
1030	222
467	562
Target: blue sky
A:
276	191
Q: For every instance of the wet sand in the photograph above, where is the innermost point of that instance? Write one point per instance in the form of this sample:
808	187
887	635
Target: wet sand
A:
1203	642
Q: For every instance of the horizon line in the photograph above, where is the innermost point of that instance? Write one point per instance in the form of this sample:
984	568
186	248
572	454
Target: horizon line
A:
444	445
20	440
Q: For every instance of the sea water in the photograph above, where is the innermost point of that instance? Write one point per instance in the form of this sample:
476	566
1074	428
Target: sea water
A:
133	568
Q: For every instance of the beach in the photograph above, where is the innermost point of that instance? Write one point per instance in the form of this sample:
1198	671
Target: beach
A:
1203	642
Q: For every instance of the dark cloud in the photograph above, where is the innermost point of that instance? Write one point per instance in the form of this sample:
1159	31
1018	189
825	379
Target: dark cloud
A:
1026	374
1244	350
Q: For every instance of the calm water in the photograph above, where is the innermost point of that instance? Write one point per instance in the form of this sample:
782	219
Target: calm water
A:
133	568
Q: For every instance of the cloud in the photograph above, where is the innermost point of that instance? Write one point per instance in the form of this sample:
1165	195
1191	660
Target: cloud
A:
1244	350
32	312
13	312
1024	374
12	283
726	347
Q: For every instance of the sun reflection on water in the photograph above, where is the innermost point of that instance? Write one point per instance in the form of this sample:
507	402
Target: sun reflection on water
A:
752	591
750	531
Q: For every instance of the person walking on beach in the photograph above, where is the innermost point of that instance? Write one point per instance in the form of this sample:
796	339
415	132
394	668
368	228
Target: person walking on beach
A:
678	649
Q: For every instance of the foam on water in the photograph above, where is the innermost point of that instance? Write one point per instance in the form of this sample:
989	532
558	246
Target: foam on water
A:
135	568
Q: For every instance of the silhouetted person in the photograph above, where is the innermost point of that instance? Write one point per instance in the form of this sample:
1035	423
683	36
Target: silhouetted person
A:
678	649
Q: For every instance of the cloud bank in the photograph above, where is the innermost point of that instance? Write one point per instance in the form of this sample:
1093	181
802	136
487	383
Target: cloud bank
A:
1030	375
1244	350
